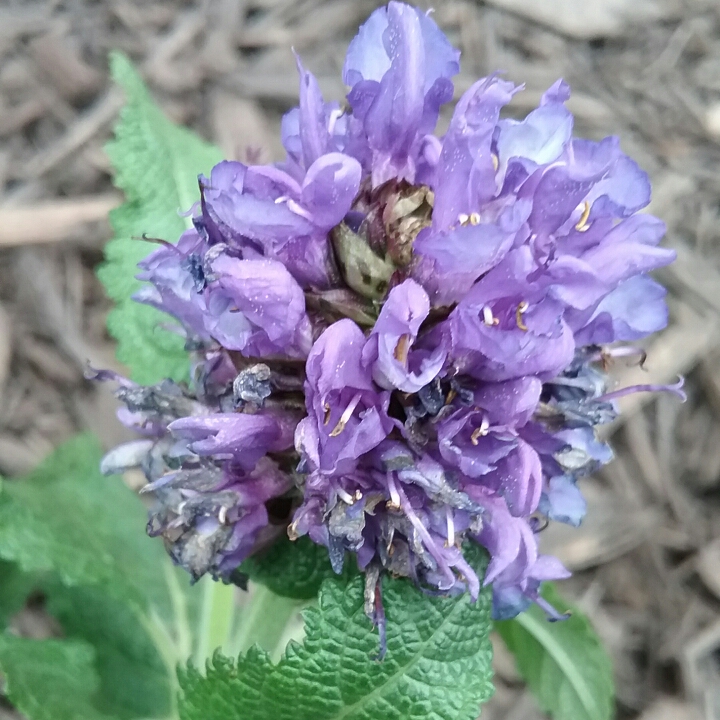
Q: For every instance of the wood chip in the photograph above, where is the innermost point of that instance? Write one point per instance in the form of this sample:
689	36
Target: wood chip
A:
240	125
694	277
54	220
96	411
671	709
225	19
73	78
609	530
708	566
589	19
14	119
282	88
525	708
6	344
85	128
637	432
701	671
18	21
16	458
39	282
160	66
46	358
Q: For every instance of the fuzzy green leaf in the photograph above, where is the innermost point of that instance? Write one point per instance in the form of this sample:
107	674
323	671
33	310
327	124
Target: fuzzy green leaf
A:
564	663
15	586
156	166
50	679
437	667
292	569
67	518
133	681
83	538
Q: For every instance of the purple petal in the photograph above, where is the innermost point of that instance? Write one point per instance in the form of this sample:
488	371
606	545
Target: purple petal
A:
542	136
518	477
371	52
630	249
395	365
509	403
245	438
466	172
398	68
313	130
366	57
334	361
174	289
451	262
563	501
257	307
635	309
329	188
349	414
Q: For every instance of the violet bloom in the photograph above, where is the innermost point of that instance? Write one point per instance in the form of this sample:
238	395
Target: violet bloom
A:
347	413
399	68
178	280
395	365
401	336
209	471
256	307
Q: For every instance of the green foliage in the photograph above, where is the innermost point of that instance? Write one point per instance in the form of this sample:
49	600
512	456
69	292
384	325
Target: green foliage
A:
133	681
563	663
15	586
67	518
437	667
50	679
79	538
292	569
156	166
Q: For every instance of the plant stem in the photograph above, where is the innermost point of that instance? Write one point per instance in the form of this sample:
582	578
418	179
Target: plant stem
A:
178	599
216	619
167	649
264	620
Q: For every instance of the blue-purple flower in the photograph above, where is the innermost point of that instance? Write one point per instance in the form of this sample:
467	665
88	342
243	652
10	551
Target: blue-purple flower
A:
400	336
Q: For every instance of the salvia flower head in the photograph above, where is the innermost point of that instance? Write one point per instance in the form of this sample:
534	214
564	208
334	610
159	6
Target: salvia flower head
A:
397	340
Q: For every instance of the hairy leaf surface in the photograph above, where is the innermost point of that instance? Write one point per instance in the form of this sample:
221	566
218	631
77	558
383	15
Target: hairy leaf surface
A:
437	667
50	679
156	165
67	518
292	569
80	538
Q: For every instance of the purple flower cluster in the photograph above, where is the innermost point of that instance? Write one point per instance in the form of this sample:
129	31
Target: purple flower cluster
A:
398	339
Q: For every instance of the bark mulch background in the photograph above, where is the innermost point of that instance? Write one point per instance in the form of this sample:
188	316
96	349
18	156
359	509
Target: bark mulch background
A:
647	560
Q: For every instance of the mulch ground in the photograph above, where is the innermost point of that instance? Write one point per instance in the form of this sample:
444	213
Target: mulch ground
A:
647	560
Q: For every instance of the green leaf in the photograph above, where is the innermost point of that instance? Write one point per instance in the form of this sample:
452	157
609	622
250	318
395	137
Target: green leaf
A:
133	680
67	518
564	663
15	586
50	679
156	166
437	667
292	569
106	581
